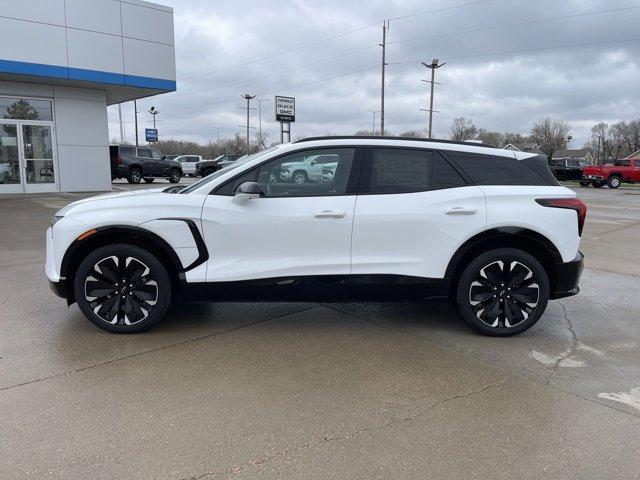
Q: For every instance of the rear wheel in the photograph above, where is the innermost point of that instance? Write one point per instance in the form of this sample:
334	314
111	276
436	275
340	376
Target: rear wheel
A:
174	175
135	175
122	288
584	183
598	184
300	178
614	181
149	179
502	292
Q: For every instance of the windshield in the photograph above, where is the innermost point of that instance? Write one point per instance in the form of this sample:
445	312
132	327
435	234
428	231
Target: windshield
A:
222	171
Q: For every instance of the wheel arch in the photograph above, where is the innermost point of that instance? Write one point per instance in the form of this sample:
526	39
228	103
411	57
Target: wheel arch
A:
529	241
112	234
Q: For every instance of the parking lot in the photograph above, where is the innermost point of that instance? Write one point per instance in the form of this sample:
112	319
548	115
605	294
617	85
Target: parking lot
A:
286	390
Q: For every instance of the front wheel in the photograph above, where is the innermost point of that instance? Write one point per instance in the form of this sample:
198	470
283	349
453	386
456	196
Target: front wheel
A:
174	176
300	178
614	181
502	292
122	288
584	183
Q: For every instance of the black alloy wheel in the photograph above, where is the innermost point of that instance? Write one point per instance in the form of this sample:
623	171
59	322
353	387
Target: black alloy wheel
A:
503	292
135	175
174	176
122	288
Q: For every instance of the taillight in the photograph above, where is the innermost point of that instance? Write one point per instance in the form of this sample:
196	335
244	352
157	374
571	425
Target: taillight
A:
118	160
570	203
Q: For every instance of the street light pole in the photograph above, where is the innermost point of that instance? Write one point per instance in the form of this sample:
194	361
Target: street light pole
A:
153	113
433	66
135	110
260	100
218	128
248	98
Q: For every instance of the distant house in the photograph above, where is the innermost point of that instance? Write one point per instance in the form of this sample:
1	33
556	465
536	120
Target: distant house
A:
525	147
584	155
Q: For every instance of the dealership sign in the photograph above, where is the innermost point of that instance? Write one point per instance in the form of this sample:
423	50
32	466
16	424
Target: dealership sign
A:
151	134
285	109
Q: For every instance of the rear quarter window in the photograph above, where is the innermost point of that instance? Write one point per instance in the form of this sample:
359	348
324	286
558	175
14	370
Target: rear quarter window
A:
485	169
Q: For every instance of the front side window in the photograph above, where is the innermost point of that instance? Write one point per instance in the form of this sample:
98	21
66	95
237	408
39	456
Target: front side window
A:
156	155
397	170
301	174
622	163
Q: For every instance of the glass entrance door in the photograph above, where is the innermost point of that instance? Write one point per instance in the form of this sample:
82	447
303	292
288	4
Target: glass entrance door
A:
27	163
10	171
37	154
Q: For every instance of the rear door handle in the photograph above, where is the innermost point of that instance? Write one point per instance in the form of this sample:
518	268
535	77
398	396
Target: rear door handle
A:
460	211
329	214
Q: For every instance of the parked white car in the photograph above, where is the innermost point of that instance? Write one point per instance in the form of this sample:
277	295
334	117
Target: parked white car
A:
489	229
188	163
310	168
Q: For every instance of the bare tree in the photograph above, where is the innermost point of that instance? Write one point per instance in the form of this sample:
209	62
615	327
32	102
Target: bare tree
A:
414	134
491	138
550	134
463	129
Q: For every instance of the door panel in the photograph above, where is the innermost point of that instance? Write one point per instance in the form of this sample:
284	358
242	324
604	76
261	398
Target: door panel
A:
38	154
414	234
277	237
10	171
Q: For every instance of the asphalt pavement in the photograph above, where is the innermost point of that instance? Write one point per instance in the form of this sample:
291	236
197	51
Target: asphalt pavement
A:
283	390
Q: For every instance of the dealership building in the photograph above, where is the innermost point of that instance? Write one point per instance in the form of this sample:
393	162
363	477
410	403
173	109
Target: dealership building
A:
61	64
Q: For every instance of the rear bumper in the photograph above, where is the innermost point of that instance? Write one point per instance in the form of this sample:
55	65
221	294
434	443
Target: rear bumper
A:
567	277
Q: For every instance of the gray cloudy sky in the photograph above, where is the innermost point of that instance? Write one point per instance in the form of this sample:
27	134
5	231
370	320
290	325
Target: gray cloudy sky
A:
218	42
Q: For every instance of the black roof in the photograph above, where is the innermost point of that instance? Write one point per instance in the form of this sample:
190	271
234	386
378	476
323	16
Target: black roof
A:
380	137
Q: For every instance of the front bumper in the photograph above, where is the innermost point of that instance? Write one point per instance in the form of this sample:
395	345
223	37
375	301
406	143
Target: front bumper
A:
592	177
567	277
59	288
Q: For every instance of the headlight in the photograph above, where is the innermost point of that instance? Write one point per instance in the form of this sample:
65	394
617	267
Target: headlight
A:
55	219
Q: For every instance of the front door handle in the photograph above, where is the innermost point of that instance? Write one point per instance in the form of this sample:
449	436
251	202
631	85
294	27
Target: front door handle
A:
460	211
329	214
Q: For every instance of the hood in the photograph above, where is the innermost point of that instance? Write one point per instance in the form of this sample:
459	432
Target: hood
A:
100	198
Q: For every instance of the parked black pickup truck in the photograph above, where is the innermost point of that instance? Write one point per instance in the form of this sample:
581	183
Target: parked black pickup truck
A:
207	167
567	168
138	163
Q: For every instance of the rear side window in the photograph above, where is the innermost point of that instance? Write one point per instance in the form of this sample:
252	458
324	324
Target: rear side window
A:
127	151
499	170
397	170
144	152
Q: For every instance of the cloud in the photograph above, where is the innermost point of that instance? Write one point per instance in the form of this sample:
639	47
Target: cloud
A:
503	77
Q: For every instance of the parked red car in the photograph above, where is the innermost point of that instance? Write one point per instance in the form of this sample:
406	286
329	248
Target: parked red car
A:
613	174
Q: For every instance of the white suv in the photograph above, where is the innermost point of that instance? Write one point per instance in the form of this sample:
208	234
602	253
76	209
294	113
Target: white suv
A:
310	168
402	219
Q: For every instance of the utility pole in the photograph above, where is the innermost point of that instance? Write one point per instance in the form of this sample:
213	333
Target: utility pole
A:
385	28
120	120
218	128
248	98
373	126
260	100
433	66
135	109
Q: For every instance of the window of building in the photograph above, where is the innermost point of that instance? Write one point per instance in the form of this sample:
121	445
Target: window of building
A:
25	109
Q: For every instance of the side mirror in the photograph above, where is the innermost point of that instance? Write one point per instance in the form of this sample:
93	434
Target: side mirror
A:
245	192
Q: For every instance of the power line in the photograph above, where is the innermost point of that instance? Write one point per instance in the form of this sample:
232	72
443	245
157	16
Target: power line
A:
516	24
233	84
333	37
507	52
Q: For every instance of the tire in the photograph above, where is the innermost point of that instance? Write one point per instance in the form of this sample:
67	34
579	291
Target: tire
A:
174	175
92	284
598	184
134	176
485	301
614	181
584	183
300	177
192	175
207	171
149	179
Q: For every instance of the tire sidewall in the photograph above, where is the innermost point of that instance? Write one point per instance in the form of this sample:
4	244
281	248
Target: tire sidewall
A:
303	176
174	175
160	275
614	182
471	271
135	175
